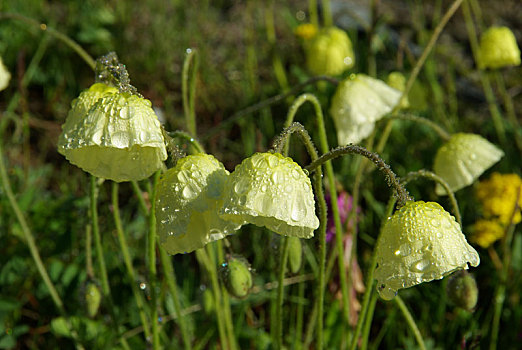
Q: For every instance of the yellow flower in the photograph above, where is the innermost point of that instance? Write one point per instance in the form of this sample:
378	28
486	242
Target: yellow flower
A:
498	196
306	31
487	232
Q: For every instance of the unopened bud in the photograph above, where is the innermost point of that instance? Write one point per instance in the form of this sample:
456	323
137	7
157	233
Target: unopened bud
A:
236	276
462	290
295	254
92	298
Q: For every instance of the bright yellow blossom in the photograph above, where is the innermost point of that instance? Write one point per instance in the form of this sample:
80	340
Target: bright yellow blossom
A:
498	196
486	232
306	30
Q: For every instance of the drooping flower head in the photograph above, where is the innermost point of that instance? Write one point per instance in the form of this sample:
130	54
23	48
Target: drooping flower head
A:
268	189
498	48
358	103
421	242
5	76
113	135
462	159
189	197
329	52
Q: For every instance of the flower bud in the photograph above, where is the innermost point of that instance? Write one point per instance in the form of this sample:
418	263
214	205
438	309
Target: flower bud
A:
93	299
5	76
462	159
462	290
498	48
397	81
271	190
329	52
295	255
421	242
236	276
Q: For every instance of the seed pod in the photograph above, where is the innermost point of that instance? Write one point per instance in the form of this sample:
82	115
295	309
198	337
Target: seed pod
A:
357	104
421	242
498	48
237	276
295	254
271	190
93	299
463	291
462	159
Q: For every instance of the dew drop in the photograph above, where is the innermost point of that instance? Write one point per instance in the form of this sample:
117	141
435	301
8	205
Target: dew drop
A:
188	192
143	285
421	265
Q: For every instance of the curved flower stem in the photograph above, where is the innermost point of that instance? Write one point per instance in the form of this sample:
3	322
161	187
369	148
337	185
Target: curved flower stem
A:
188	89
280	293
369	285
265	103
279	144
170	276
128	262
411	322
432	176
35	254
414	118
62	37
418	66
391	178
152	264
323	141
484	79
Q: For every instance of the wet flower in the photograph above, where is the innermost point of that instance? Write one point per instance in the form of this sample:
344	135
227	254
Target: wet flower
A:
462	159
421	242
329	52
268	189
498	48
5	76
113	135
189	196
358	103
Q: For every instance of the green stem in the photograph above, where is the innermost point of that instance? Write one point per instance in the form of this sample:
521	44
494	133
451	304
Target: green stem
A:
434	177
484	79
280	292
170	276
128	262
210	266
410	321
189	139
226	301
35	254
368	320
312	9
62	37
188	89
139	195
265	103
327	13
510	109
421	120
418	66
323	141
297	344
277	64
152	264
500	291
369	285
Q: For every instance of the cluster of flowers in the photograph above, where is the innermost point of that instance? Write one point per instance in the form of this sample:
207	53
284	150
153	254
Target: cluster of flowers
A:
501	199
